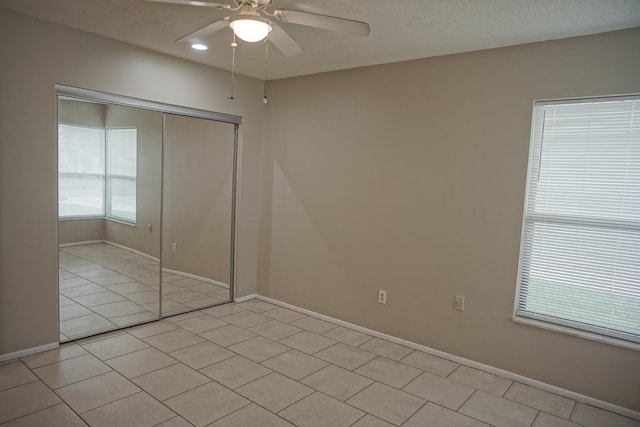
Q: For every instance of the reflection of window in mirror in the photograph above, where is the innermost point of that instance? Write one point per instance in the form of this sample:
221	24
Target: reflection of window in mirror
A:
121	174
97	172
80	171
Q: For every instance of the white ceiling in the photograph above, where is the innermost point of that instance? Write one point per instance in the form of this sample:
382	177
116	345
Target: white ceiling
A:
400	29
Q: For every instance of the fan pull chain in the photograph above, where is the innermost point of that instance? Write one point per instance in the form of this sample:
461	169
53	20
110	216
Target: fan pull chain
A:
233	64
266	67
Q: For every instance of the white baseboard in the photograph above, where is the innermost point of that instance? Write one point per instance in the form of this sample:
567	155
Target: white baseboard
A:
86	242
106	242
196	277
247	298
471	363
28	352
135	251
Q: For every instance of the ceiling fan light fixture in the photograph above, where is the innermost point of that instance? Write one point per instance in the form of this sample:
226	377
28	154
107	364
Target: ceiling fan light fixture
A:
250	29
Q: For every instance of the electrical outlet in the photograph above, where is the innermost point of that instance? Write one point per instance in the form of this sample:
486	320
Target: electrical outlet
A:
174	247
458	303
382	296
150	228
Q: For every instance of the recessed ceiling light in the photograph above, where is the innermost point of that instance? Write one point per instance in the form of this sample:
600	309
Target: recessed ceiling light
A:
199	46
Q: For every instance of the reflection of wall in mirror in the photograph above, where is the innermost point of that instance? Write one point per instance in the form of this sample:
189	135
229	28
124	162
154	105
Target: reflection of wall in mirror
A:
149	127
198	174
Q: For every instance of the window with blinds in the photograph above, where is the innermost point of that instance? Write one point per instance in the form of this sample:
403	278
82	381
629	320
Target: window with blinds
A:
580	253
97	172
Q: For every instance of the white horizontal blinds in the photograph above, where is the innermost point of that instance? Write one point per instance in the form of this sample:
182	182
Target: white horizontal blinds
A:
122	166
580	261
80	171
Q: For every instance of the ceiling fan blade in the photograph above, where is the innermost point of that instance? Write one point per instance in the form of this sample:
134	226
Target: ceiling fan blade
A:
324	22
194	3
205	31
284	42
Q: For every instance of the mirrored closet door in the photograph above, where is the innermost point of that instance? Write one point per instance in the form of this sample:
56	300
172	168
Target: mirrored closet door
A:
197	212
145	210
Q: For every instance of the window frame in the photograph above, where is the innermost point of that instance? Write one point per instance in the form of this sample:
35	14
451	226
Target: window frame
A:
559	324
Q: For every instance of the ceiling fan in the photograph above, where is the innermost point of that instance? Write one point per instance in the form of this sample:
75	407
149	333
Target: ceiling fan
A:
254	21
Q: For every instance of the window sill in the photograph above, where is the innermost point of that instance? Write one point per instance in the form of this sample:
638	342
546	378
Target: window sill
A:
80	218
121	221
89	218
578	333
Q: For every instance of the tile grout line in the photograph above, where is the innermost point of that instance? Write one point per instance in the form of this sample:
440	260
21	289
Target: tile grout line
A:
54	392
533	421
358	420
49	364
140	390
466	415
79	381
62	402
20	385
426	402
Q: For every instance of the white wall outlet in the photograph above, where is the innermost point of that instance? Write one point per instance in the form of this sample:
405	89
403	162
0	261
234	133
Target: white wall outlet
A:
174	247
150	227
382	296
458	303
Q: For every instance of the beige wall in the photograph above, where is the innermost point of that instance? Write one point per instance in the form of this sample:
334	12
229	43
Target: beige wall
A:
410	177
35	56
80	230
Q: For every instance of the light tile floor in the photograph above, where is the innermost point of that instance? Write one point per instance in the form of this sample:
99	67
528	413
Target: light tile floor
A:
256	364
103	287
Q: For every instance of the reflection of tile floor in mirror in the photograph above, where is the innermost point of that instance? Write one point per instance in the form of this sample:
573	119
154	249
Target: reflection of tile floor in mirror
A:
255	364
104	286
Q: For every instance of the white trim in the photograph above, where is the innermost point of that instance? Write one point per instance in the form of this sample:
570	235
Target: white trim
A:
569	330
117	220
250	297
81	217
28	351
238	145
477	365
117	245
111	98
86	242
194	276
91	242
588	99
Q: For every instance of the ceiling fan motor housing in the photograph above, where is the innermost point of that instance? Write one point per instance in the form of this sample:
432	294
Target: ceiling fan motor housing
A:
255	3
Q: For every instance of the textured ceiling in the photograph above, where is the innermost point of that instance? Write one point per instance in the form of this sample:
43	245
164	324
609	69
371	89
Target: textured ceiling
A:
400	29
